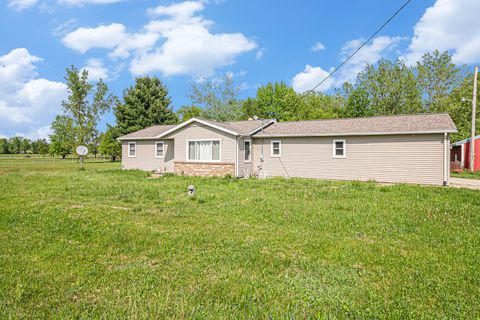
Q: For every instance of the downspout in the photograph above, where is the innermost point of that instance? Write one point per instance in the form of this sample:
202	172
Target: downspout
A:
236	157
446	167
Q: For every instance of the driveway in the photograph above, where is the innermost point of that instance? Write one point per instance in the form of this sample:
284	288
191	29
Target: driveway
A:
465	183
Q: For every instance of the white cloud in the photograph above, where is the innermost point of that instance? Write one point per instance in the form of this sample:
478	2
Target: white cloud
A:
96	70
259	54
27	102
317	47
369	54
106	37
452	25
85	2
21	4
309	78
187	46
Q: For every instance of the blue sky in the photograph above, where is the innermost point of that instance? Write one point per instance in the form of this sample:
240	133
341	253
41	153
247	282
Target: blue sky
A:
183	42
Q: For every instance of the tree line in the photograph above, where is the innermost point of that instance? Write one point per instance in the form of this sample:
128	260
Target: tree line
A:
434	84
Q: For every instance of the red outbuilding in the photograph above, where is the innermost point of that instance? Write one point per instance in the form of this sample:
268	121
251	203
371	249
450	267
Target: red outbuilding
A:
460	154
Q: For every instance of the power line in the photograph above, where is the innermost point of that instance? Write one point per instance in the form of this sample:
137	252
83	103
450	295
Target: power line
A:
359	48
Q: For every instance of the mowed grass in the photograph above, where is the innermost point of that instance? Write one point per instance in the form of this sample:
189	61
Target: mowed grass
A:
107	243
466	174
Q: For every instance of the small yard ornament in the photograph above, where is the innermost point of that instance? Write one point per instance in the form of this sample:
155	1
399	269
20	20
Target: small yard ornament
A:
191	191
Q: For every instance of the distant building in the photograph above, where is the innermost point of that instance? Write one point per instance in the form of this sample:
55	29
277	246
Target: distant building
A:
460	154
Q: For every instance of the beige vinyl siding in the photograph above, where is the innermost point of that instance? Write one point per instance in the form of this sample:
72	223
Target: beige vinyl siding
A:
242	164
196	131
388	158
145	156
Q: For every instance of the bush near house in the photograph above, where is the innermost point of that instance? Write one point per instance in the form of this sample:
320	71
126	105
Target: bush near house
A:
106	243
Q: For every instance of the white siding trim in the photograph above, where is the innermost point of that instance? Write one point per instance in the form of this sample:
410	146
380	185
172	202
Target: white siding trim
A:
163	149
129	155
187	158
279	149
181	125
334	153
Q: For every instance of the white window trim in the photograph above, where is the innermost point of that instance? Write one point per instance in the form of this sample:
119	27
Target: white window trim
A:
156	148
128	150
344	148
204	161
279	149
250	149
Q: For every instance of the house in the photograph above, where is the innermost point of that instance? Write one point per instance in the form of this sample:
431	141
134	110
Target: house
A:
460	154
405	148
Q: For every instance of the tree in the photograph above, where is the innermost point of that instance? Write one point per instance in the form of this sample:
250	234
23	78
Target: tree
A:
15	144
145	104
218	98
109	145
391	87
4	147
317	105
356	102
277	100
63	137
437	76
86	103
187	112
26	145
41	146
94	142
459	106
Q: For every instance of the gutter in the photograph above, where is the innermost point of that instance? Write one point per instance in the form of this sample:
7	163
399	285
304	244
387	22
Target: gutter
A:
338	134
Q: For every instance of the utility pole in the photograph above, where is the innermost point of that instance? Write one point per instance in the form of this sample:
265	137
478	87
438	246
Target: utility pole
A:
474	113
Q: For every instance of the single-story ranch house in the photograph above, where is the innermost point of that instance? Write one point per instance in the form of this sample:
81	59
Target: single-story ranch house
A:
405	148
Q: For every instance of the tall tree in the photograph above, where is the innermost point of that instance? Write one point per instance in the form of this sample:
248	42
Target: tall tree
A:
392	88
459	106
109	146
187	112
15	144
437	76
63	136
145	104
86	103
317	105
26	145
356	102
4	147
41	146
277	100
218	98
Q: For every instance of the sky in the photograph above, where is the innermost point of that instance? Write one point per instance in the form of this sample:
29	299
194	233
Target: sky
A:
255	42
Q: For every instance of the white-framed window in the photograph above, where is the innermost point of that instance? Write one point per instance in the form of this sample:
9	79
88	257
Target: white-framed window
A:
207	150
248	150
159	149
132	149
276	148
339	148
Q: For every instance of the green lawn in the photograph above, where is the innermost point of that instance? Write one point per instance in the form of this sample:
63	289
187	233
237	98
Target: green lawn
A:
466	174
105	243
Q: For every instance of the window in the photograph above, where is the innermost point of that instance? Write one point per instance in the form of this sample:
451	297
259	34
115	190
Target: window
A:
276	149
159	151
248	151
204	150
132	149
339	149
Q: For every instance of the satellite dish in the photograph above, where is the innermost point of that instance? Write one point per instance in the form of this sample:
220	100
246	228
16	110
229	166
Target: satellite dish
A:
82	150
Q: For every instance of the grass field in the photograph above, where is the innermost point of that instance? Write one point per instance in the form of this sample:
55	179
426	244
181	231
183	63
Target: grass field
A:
466	174
104	243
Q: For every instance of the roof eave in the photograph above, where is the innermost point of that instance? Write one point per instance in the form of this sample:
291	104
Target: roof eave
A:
183	124
352	134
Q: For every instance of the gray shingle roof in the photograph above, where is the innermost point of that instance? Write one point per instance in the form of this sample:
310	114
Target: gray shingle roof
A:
147	133
400	124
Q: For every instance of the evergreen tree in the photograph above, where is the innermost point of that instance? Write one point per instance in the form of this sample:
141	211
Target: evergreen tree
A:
145	104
